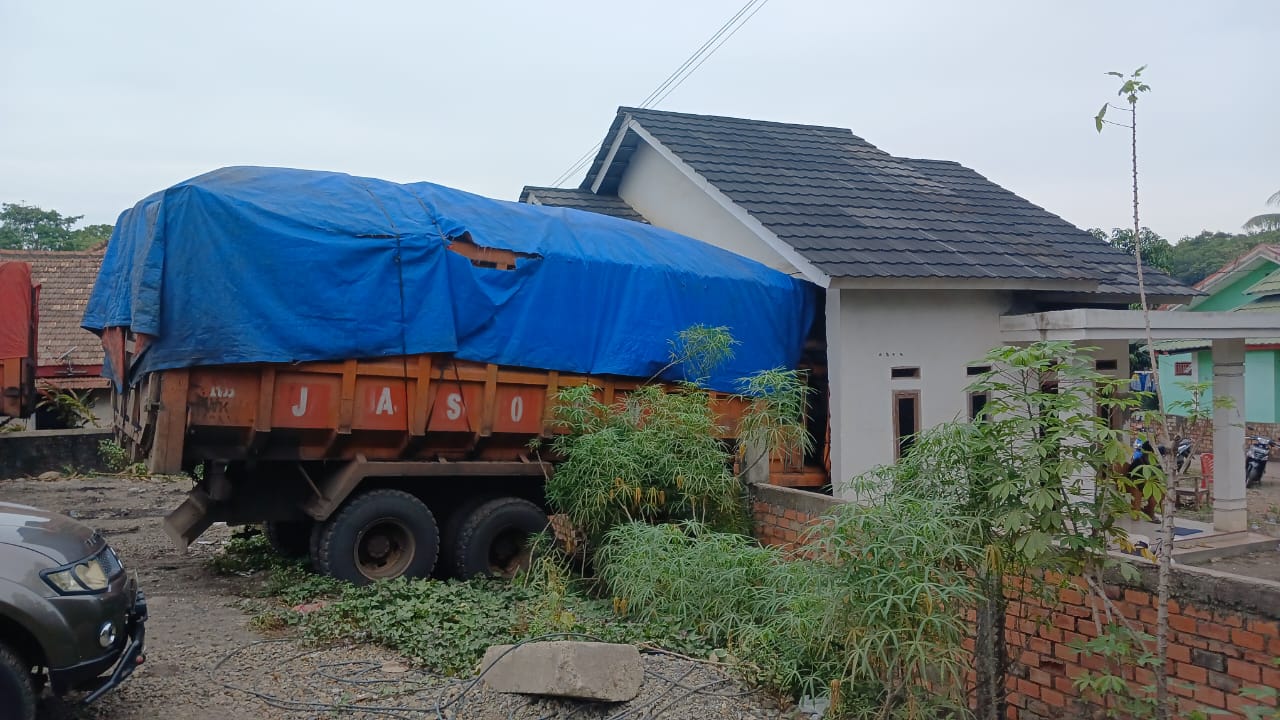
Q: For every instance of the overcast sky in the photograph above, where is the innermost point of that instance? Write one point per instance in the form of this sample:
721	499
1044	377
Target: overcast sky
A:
102	103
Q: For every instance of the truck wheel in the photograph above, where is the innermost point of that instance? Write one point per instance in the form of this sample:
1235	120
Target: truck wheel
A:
289	538
494	539
379	535
16	690
447	567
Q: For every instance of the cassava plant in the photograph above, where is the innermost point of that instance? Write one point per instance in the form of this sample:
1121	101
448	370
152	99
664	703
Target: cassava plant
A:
1032	475
656	455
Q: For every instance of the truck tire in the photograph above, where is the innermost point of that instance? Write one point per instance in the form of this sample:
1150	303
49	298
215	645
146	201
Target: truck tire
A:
494	539
289	538
446	567
16	689
378	535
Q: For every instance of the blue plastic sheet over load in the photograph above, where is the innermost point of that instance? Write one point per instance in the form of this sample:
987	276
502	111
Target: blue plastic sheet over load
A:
250	264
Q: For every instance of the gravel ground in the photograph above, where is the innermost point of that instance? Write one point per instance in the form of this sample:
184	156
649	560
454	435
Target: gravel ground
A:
204	660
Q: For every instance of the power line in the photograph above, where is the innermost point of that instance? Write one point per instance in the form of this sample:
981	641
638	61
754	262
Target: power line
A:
679	75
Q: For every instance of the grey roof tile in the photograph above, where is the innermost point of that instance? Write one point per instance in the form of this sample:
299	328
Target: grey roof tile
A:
579	199
853	210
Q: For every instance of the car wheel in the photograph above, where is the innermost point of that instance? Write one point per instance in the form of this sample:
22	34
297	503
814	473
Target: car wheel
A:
494	539
379	535
16	691
289	538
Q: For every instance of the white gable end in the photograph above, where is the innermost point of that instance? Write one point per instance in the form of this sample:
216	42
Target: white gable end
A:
667	198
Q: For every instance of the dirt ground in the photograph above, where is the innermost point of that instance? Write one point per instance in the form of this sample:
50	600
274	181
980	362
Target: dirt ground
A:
1263	500
204	660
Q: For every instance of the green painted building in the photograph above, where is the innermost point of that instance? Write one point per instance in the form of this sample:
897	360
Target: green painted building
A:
1250	283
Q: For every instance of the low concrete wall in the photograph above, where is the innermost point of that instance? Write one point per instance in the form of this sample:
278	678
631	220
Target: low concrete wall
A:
32	452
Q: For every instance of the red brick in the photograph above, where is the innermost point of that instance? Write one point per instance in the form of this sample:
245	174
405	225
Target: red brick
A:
1214	631
1147	615
1078	611
1069	596
1271	677
1093	662
1064	685
1234	621
1249	640
1191	673
1181	689
1027	689
1039	677
1244	670
1052	634
1039	645
1066	622
1270	628
1210	696
1137	597
1179	653
1066	653
1182	623
1052	698
1197	613
1239	704
1029	659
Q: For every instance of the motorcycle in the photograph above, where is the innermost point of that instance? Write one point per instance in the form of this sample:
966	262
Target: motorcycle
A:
1182	454
1255	459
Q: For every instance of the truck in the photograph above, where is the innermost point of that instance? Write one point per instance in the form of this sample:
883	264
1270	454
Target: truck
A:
360	366
19	316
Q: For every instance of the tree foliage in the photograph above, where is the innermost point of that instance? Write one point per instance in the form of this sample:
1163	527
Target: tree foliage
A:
1156	251
28	227
1265	221
1195	258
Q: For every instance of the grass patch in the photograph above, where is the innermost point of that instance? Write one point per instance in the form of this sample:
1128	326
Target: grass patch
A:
441	625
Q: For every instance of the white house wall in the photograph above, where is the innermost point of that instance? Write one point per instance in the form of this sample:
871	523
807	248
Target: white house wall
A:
661	193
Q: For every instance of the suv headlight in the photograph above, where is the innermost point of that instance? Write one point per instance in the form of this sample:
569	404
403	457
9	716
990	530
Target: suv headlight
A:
91	575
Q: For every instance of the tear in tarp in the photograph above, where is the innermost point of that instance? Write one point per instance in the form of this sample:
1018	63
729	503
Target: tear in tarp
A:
250	264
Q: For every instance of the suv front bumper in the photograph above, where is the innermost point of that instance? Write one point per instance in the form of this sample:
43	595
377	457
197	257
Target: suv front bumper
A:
100	675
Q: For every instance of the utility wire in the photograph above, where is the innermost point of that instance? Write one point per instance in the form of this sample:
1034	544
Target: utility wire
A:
679	75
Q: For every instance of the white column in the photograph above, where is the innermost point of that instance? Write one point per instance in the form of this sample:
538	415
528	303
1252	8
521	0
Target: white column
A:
836	386
1230	513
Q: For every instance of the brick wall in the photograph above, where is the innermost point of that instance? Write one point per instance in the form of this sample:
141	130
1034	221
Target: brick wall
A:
1225	629
1201	433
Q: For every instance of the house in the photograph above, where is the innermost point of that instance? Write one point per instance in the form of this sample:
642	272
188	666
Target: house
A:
1248	284
68	356
918	260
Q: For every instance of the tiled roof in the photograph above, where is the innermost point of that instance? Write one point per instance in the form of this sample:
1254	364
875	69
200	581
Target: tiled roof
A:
1269	285
580	200
853	210
66	278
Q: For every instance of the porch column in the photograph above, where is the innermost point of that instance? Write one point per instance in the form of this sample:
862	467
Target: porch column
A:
1230	513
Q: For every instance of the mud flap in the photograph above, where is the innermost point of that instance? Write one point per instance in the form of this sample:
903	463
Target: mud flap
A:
188	520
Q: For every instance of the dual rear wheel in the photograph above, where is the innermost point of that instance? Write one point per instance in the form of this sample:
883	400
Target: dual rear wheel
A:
383	534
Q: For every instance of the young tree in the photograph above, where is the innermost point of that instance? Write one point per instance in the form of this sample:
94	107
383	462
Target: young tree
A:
1131	88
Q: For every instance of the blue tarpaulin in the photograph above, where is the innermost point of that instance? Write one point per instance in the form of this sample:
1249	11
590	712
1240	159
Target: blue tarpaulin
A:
251	264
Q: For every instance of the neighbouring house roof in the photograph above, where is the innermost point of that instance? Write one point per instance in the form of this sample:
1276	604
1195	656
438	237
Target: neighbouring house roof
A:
852	210
1269	285
1229	273
66	278
580	200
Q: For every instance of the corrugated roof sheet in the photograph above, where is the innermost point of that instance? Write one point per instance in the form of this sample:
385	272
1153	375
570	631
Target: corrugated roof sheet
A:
65	279
1269	285
853	210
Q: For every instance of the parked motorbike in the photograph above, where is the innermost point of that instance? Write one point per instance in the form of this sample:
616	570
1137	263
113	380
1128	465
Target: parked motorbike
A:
1255	459
1182	454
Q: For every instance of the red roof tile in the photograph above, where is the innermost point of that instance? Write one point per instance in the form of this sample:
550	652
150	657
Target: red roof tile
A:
66	278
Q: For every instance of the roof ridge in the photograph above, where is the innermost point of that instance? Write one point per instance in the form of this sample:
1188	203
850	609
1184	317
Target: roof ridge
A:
751	121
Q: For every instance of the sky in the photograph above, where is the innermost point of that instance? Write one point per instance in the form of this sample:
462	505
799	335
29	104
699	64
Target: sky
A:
104	103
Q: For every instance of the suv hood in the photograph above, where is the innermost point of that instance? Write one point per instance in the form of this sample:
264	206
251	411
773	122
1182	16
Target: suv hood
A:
55	536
